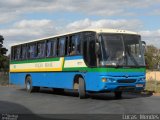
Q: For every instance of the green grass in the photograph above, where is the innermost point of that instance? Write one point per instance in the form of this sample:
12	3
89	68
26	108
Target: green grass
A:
153	85
4	79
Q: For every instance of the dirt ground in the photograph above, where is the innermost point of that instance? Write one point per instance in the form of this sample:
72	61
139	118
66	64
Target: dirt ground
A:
153	75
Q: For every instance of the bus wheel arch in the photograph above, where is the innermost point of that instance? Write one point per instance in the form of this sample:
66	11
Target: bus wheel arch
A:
28	84
81	86
28	75
76	81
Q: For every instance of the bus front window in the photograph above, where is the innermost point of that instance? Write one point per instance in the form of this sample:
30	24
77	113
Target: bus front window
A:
121	50
112	50
133	50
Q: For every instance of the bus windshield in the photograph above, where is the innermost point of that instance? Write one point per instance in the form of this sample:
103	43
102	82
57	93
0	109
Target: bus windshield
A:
121	50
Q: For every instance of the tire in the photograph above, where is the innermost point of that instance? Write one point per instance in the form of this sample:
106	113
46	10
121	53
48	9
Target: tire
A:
118	94
82	89
29	87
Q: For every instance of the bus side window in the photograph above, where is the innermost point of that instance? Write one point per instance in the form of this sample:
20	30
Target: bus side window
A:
89	50
17	53
12	53
52	48
24	52
41	49
49	48
74	45
61	46
78	44
32	51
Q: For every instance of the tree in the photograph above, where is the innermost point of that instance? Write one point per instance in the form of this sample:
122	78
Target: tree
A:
152	57
4	60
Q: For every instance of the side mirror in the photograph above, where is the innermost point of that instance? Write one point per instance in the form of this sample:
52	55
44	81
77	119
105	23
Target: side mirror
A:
97	47
143	43
143	46
99	37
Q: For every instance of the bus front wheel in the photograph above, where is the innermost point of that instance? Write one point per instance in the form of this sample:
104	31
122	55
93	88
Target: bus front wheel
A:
29	87
82	89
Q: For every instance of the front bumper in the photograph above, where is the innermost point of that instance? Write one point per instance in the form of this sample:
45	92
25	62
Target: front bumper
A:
123	87
123	84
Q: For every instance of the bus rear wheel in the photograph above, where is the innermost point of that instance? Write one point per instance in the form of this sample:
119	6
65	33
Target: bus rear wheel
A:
29	87
82	88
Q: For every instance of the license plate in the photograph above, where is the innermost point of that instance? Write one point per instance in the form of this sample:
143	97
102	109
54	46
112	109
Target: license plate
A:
139	85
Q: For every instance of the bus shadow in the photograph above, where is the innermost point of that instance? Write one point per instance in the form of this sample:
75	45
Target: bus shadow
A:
99	96
125	95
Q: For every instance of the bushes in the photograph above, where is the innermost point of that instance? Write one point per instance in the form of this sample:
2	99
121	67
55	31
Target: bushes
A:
4	78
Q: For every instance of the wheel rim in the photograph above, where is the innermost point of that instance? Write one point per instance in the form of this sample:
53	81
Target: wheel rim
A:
28	85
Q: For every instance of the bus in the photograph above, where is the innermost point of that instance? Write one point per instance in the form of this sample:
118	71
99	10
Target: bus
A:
86	61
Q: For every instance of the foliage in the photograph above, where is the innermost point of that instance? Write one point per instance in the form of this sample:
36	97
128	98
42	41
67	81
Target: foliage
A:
152	57
4	63
4	78
4	60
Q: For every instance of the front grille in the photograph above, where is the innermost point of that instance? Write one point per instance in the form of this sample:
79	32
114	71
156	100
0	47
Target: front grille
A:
126	81
125	88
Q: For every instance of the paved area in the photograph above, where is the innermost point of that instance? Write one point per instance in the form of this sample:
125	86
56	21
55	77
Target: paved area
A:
18	101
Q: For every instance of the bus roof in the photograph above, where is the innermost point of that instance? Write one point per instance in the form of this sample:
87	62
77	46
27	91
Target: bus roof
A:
102	30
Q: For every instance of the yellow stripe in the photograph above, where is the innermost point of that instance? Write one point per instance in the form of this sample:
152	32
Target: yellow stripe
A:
36	70
40	69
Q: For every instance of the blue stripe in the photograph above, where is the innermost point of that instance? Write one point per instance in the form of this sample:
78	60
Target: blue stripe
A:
65	80
73	57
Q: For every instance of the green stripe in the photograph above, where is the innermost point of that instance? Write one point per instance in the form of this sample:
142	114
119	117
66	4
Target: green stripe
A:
105	69
63	64
35	60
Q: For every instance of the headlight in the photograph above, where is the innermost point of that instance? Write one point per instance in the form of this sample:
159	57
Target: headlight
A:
104	79
108	80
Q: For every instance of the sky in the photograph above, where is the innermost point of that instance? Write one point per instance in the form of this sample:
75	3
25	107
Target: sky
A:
24	20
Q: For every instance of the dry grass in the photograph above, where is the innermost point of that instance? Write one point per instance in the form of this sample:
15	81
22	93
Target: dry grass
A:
153	75
153	81
153	85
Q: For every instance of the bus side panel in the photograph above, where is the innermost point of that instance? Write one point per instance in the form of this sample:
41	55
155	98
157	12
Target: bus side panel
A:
57	79
53	79
46	79
17	79
92	80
